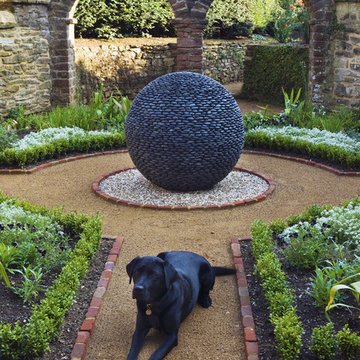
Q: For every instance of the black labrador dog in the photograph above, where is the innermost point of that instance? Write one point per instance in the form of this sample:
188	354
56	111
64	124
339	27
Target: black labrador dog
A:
166	288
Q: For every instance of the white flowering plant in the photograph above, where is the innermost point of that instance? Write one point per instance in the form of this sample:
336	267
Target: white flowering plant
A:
52	142
46	136
335	147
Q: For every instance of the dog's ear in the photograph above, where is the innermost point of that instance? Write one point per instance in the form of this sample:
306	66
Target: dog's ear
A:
170	274
131	266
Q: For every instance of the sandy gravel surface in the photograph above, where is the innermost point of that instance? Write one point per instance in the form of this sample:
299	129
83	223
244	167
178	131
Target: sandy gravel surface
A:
213	333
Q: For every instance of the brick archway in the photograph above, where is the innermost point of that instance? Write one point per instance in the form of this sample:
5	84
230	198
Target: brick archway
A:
190	21
62	53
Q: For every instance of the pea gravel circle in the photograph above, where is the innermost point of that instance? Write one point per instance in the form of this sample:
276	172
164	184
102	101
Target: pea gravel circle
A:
130	186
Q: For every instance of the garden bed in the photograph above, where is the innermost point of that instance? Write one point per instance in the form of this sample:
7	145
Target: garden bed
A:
310	315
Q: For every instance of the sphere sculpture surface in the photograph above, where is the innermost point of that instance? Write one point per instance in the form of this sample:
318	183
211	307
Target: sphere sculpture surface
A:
184	132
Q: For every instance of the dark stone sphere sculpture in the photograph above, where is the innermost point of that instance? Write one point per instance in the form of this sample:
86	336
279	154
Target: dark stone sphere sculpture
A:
184	132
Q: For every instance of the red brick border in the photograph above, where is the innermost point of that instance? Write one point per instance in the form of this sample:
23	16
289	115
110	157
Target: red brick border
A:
60	161
264	195
83	156
83	337
304	161
251	343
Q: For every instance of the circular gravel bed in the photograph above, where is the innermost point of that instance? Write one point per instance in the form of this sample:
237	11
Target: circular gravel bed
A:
131	187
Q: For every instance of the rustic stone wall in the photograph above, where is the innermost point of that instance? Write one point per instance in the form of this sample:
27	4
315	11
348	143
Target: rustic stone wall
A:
24	56
37	59
127	68
346	49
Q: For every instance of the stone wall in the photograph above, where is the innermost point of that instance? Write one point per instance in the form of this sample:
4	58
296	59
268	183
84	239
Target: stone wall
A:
127	68
346	49
24	56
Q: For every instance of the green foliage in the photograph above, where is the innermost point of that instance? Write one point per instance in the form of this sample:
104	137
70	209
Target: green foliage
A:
354	287
288	330
7	136
32	339
305	253
335	155
225	16
262	11
348	343
322	282
261	239
30	287
273	279
273	68
323	342
118	18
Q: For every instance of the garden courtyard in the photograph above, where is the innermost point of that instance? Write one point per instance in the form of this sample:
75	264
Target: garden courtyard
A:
214	333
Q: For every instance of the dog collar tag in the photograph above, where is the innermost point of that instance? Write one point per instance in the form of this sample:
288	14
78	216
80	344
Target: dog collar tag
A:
148	311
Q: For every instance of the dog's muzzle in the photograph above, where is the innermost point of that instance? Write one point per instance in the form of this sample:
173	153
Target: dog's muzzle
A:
138	292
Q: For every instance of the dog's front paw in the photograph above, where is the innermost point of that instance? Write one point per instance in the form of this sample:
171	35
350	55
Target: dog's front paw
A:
205	300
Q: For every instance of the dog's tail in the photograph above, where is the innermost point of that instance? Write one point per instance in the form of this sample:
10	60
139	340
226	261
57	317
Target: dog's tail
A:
221	271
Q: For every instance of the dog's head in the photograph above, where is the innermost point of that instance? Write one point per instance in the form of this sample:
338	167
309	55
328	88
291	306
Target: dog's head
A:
152	277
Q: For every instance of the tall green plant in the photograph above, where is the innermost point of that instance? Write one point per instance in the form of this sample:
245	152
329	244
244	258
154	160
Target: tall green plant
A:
264	11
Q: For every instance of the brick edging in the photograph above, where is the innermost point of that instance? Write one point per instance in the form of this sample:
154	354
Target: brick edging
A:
83	337
304	161
247	319
60	161
110	152
262	196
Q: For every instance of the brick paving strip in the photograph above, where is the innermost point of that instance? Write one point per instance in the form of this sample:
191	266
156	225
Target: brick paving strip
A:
83	337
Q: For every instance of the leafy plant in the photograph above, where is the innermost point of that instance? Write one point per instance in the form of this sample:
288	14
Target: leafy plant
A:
7	137
323	342
354	287
324	279
288	330
8	255
348	343
30	287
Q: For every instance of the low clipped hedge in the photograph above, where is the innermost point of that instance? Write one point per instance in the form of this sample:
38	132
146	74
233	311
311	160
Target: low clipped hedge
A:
31	340
273	67
22	157
282	143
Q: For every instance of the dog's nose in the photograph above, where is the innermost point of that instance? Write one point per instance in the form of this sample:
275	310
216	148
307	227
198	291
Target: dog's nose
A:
138	291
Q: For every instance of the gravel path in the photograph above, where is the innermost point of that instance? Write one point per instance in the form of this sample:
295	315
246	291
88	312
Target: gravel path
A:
213	333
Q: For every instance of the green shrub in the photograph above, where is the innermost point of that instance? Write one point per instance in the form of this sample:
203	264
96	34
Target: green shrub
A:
272	68
273	279
261	239
348	343
323	342
288	330
118	18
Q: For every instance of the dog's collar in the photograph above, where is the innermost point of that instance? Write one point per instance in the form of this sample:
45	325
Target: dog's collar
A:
148	310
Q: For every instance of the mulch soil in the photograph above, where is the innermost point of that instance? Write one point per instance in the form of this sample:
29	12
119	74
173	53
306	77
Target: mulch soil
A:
310	315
